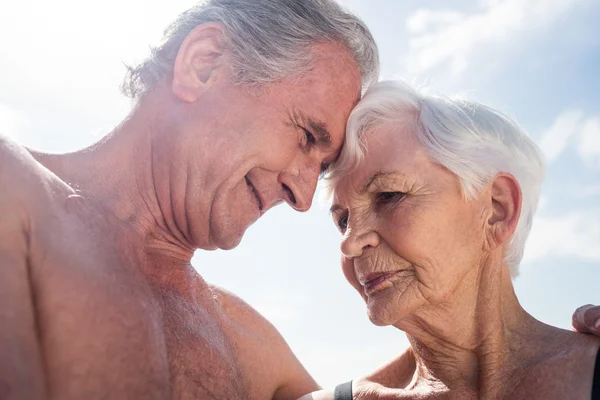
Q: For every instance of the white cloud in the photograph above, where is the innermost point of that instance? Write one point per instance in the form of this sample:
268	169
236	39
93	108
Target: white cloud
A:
573	127
422	20
589	142
555	140
574	235
11	121
438	37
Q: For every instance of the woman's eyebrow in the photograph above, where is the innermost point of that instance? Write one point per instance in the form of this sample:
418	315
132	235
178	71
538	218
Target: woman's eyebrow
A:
380	175
334	208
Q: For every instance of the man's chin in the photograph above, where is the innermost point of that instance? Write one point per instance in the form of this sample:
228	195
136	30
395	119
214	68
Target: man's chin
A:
230	245
228	240
226	232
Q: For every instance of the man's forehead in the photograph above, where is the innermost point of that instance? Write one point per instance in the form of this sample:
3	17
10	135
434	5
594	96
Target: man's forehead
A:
335	79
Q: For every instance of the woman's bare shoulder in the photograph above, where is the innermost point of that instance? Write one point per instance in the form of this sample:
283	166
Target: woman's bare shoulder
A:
565	373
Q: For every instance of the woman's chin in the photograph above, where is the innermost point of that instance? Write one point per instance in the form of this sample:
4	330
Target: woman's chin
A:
380	316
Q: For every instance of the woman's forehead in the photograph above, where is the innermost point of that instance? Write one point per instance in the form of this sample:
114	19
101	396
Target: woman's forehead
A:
385	149
391	154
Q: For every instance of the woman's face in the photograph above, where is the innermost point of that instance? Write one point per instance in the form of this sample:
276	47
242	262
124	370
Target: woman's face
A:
410	239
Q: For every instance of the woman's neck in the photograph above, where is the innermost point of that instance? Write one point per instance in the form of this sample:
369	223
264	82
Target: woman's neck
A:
476	340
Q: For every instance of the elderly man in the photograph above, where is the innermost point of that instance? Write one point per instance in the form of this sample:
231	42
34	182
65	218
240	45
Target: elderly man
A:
240	108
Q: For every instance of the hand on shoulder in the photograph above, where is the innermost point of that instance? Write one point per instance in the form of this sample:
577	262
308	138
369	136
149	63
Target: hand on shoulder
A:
586	319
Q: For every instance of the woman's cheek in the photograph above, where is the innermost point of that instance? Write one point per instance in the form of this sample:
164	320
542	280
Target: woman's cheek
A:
349	273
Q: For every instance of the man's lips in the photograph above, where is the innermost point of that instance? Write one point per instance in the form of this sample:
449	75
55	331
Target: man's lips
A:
255	193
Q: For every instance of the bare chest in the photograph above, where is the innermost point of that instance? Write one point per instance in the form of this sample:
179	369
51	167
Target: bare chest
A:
201	354
105	333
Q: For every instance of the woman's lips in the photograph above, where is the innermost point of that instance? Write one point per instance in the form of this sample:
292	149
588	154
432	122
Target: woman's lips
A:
375	281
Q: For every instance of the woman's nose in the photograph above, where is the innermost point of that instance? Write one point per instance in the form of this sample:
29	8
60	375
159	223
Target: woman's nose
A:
356	242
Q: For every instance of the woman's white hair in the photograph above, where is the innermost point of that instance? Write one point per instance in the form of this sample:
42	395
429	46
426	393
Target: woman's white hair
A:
473	141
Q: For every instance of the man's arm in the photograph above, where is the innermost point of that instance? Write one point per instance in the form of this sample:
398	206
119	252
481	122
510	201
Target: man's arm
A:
269	357
586	319
21	364
296	380
320	395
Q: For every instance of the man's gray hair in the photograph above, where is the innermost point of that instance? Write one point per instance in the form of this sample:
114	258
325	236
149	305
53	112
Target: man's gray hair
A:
268	40
471	140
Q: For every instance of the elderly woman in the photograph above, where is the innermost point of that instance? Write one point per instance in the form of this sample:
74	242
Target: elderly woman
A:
434	199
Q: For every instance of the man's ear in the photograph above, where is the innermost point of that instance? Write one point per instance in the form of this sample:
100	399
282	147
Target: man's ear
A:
505	197
197	59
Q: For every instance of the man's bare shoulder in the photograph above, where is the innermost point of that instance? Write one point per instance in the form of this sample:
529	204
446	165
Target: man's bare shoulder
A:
245	316
22	178
16	182
21	370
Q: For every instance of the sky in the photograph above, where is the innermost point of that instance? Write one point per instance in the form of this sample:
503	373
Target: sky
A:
61	63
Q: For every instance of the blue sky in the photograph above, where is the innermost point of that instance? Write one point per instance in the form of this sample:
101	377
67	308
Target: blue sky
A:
537	60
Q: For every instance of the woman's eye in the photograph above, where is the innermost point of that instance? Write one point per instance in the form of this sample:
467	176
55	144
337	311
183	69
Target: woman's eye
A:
343	223
388	197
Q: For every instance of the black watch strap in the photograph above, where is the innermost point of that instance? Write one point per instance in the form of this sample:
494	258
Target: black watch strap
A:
343	391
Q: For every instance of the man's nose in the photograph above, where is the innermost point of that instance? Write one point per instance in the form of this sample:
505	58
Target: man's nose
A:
299	187
356	241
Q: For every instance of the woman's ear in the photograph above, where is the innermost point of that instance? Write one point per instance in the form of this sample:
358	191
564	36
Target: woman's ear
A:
197	59
505	197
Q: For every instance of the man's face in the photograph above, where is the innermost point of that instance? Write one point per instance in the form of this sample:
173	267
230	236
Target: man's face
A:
246	150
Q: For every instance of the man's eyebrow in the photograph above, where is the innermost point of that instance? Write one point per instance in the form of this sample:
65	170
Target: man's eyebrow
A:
320	130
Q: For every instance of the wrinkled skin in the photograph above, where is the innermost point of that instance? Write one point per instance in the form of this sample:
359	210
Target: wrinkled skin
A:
430	262
394	227
98	298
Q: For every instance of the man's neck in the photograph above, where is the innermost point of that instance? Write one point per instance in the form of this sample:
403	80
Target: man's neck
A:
117	176
476	340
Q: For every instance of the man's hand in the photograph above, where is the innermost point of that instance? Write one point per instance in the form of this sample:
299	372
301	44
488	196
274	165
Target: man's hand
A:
586	319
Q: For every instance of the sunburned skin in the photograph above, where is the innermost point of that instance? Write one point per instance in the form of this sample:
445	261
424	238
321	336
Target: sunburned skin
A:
106	329
98	297
102	326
